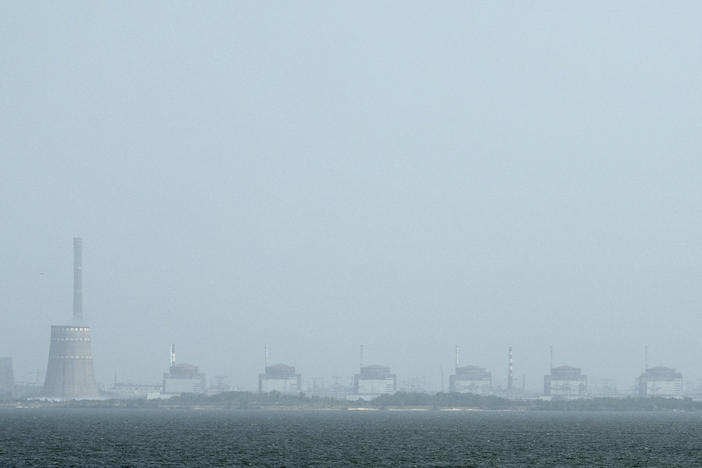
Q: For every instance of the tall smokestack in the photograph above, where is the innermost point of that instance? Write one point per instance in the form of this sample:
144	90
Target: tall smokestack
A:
77	278
457	357
172	361
509	369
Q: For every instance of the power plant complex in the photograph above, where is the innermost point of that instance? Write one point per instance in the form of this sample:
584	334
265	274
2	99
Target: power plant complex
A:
69	372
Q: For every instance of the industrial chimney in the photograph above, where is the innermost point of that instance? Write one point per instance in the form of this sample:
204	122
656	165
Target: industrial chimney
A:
509	370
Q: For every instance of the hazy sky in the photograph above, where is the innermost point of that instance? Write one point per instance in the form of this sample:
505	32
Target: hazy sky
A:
317	175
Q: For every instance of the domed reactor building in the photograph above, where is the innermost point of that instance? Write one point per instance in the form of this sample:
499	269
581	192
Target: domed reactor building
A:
70	372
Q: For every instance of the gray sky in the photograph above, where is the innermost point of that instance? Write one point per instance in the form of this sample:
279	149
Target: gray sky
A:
317	175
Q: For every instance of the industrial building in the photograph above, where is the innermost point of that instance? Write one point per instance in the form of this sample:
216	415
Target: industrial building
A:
565	382
660	382
70	373
471	379
182	378
372	382
7	378
280	378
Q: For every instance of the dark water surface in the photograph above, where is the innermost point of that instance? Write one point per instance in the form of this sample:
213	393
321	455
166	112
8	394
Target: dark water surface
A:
77	437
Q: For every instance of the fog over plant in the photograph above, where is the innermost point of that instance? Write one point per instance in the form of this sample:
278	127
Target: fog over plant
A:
319	175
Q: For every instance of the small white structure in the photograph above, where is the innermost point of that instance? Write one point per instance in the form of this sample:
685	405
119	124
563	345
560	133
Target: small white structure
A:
565	382
372	382
471	379
660	382
280	378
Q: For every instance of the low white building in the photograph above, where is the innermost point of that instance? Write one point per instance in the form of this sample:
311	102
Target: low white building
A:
660	382
471	379
565	382
280	378
372	382
132	390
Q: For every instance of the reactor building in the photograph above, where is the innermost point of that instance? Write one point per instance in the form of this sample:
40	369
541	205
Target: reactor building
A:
70	373
373	381
660	382
471	379
565	382
182	378
280	378
7	377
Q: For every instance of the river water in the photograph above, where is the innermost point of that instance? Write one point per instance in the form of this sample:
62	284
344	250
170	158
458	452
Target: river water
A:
174	438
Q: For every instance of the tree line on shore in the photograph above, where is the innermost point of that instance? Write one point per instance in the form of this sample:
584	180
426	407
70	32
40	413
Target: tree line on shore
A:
399	400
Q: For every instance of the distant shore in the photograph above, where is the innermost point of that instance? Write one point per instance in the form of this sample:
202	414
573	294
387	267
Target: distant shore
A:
444	402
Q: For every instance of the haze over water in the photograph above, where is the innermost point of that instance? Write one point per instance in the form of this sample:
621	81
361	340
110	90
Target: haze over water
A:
314	176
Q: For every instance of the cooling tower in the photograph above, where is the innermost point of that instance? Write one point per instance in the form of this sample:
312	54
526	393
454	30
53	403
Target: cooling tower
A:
70	373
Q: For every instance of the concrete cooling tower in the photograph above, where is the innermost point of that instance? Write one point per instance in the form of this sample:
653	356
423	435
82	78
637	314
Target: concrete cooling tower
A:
70	373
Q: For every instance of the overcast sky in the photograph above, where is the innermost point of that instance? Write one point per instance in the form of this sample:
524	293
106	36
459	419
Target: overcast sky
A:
319	175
